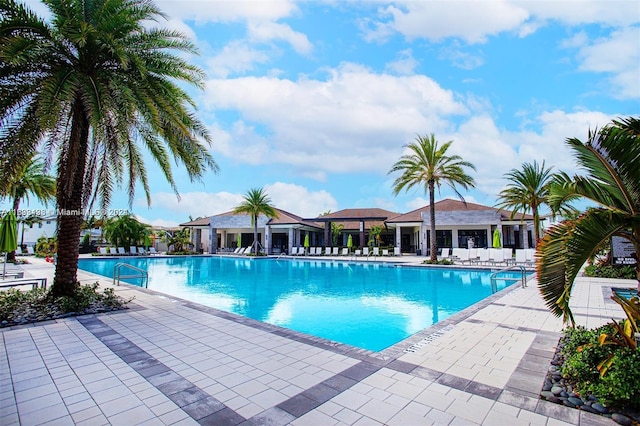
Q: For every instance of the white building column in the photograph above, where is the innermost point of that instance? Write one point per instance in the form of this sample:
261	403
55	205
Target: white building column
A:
524	235
398	236
291	240
267	239
454	238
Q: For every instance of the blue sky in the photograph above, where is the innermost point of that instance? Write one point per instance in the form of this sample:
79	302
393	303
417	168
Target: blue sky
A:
314	100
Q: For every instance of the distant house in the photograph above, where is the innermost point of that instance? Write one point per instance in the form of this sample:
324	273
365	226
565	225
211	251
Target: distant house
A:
461	224
29	234
458	224
224	231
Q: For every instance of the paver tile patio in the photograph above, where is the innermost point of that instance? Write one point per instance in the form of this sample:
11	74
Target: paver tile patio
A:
174	362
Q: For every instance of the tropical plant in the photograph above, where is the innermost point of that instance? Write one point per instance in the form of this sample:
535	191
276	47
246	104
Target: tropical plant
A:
91	86
126	231
255	203
375	233
528	191
610	158
428	165
46	246
180	240
336	230
33	180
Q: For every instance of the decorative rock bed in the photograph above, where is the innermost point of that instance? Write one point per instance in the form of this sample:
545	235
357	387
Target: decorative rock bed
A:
556	389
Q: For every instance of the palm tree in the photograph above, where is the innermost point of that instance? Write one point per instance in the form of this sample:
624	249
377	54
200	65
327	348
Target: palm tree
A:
429	165
90	87
610	158
528	190
126	231
32	180
255	203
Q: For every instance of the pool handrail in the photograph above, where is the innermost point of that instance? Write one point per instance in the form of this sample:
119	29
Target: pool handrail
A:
117	276
523	278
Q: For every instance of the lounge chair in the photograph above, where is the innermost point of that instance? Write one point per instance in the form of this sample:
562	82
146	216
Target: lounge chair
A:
293	251
385	252
496	256
461	255
112	251
152	251
327	251
142	251
530	256
483	257
133	250
508	255
365	251
376	251
103	251
345	252
357	253
121	251
396	251
334	252
445	253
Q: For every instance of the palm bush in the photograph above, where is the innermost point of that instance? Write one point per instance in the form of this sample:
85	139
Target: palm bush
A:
610	159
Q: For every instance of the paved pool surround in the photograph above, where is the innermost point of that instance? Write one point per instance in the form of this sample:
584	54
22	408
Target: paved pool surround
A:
168	361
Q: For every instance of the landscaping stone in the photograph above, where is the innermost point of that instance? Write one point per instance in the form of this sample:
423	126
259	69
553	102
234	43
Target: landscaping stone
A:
555	389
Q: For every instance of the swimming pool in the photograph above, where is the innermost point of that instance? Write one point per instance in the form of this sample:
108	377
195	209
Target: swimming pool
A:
368	305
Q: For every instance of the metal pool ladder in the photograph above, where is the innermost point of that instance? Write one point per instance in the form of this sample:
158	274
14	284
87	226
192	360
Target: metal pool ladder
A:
140	273
494	276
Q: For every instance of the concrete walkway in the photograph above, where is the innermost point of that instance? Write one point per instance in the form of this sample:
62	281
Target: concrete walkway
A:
167	361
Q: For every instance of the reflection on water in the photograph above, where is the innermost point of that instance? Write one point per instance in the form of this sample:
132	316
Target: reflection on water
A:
369	305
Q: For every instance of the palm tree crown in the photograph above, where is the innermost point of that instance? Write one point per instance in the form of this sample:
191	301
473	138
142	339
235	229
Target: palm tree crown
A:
255	203
610	158
528	191
92	87
32	180
428	165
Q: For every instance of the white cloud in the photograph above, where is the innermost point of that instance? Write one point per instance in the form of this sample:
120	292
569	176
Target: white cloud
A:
475	21
158	222
202	11
195	204
235	58
269	31
576	12
355	120
617	55
405	63
472	21
286	196
299	200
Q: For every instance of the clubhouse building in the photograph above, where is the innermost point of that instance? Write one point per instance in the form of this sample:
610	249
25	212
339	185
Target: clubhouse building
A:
458	224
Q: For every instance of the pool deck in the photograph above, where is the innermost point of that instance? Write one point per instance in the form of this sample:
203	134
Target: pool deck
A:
167	361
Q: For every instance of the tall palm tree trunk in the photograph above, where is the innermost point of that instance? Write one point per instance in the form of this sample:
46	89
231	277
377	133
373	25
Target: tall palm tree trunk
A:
69	201
11	256
255	235
432	214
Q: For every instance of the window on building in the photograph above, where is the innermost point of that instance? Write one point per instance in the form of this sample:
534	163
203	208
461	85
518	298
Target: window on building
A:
478	236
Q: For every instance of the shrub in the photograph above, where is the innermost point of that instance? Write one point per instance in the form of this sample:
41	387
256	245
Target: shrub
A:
21	307
624	271
619	386
438	262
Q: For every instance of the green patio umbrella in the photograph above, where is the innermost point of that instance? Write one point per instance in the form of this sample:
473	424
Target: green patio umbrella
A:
349	243
8	237
239	240
497	239
306	242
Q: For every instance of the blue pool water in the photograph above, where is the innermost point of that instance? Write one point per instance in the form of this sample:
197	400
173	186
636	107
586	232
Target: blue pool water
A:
368	305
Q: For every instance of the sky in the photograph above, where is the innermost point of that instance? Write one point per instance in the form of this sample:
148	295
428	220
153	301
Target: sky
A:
314	101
